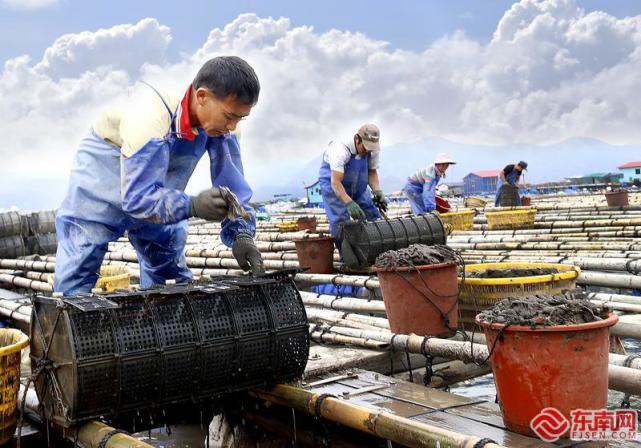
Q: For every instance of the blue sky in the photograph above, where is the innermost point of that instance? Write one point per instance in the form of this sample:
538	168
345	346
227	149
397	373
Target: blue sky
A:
533	73
408	24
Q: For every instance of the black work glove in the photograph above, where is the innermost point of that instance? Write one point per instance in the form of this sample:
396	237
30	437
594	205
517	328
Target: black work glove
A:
246	254
209	204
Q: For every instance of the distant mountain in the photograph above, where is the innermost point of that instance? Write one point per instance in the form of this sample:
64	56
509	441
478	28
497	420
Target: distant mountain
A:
575	156
571	157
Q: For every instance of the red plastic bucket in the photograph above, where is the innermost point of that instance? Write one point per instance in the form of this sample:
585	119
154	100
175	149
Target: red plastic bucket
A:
417	298
526	201
563	367
442	206
617	198
317	254
307	224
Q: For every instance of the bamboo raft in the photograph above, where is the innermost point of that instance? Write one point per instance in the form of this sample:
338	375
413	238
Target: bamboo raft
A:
353	332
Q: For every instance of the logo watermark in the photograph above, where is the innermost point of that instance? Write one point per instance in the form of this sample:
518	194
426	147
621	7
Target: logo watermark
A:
586	424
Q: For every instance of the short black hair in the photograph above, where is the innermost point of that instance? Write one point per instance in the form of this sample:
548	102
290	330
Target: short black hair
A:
229	75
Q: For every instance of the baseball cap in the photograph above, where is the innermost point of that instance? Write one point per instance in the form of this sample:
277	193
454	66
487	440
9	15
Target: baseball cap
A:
523	164
370	136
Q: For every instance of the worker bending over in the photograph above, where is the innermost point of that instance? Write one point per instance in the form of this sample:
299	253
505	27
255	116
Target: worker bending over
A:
131	170
348	168
420	188
510	175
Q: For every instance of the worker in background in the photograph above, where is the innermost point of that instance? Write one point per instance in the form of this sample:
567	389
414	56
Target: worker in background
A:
510	175
348	168
131	170
421	186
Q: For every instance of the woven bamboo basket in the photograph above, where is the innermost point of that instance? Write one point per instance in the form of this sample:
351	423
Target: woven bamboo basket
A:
459	220
474	202
287	226
511	219
478	294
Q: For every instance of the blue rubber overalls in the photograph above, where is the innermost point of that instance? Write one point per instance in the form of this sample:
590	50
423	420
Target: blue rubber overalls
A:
512	178
144	195
355	181
422	197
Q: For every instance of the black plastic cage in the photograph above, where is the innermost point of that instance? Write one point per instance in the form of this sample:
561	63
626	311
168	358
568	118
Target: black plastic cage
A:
367	240
122	353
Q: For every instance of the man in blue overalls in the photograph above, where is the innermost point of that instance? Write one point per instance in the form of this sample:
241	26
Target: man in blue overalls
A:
131	170
510	175
347	170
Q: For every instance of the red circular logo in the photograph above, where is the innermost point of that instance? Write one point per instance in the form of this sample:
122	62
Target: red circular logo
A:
549	424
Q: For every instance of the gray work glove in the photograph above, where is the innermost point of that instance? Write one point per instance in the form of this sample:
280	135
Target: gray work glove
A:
355	211
209	204
246	254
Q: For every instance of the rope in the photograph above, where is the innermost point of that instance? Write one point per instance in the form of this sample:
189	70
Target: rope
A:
409	361
391	354
429	359
109	435
319	404
482	442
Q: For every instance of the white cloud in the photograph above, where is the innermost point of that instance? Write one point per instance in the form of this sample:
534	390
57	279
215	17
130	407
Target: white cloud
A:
550	72
122	47
27	4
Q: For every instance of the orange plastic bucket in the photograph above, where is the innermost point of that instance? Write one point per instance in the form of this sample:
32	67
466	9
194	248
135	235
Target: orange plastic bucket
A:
317	254
417	299
617	198
563	367
526	201
307	223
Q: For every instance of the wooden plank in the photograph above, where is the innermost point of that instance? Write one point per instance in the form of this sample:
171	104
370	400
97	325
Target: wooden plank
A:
435	407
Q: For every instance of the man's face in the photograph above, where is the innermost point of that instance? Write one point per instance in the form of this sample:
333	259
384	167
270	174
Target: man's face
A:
442	167
218	116
360	148
519	168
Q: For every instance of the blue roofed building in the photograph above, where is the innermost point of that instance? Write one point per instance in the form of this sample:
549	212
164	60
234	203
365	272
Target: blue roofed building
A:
314	197
481	182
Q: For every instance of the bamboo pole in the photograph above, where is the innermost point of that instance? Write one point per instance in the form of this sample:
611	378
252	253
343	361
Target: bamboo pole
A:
379	423
318	316
553	245
90	435
610	280
448	373
351	280
377	322
27	264
323	338
25	283
343	304
618	298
